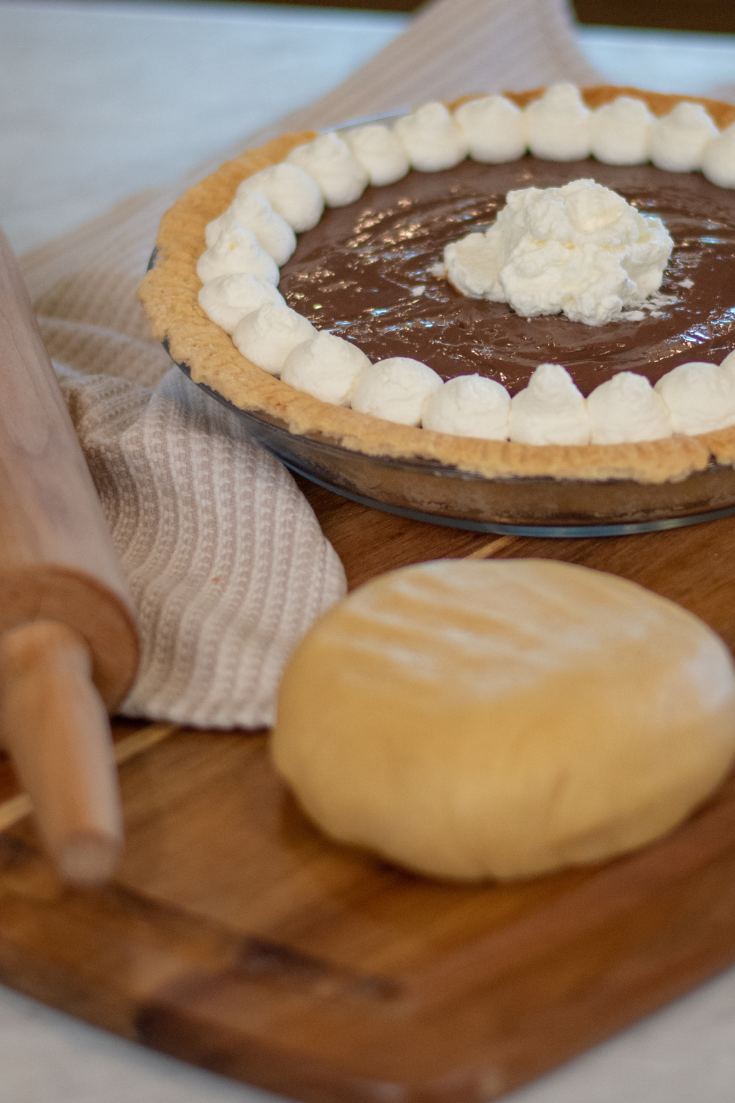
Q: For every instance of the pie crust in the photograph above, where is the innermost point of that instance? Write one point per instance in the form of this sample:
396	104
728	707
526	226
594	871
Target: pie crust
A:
640	480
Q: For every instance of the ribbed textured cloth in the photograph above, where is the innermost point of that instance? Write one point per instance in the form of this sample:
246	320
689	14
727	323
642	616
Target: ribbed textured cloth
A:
226	562
453	47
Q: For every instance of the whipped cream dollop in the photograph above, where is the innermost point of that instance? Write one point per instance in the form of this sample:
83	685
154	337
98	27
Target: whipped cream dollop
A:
469	406
678	140
718	159
380	152
325	366
581	250
267	335
252	210
227	299
493	127
396	389
431	138
620	132
700	397
558	124
627	408
237	250
291	192
550	410
329	160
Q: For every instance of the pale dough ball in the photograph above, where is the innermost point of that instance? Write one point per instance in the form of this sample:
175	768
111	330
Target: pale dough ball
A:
473	719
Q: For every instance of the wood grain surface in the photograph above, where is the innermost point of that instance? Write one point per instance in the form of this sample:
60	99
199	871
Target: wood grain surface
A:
57	560
68	645
236	937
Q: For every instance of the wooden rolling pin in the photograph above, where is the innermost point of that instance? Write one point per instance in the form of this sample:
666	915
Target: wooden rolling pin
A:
68	646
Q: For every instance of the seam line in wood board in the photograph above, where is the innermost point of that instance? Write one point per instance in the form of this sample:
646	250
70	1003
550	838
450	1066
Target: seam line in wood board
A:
18	807
141	741
488	550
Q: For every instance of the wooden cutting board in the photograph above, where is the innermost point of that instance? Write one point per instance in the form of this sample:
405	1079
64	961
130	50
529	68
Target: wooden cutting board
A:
236	937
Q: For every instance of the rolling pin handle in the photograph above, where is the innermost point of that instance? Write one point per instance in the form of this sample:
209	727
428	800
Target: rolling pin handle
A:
55	727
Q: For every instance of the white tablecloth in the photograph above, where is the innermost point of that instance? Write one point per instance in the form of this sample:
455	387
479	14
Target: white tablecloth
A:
98	101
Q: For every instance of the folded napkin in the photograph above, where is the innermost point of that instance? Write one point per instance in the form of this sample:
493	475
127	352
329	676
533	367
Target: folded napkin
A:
226	562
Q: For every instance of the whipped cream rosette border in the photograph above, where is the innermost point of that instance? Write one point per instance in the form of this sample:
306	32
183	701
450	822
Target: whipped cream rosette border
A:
257	232
250	210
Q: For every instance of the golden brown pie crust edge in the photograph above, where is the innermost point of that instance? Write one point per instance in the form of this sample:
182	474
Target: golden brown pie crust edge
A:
169	295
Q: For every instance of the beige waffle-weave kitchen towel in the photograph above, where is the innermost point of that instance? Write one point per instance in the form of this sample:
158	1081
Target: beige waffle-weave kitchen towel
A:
226	563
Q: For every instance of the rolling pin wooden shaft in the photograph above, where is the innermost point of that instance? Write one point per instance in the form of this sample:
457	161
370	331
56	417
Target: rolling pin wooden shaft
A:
68	646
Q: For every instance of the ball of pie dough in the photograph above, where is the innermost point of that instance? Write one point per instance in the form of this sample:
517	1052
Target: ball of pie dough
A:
475	719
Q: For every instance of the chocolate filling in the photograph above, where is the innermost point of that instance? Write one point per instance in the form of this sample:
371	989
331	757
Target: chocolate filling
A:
364	273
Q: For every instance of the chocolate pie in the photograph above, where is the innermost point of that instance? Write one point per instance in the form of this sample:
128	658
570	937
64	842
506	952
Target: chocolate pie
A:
368	272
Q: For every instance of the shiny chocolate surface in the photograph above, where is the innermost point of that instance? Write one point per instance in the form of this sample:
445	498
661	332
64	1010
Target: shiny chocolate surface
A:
364	273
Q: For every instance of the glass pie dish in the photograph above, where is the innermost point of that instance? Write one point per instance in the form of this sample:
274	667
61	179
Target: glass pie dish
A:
493	486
